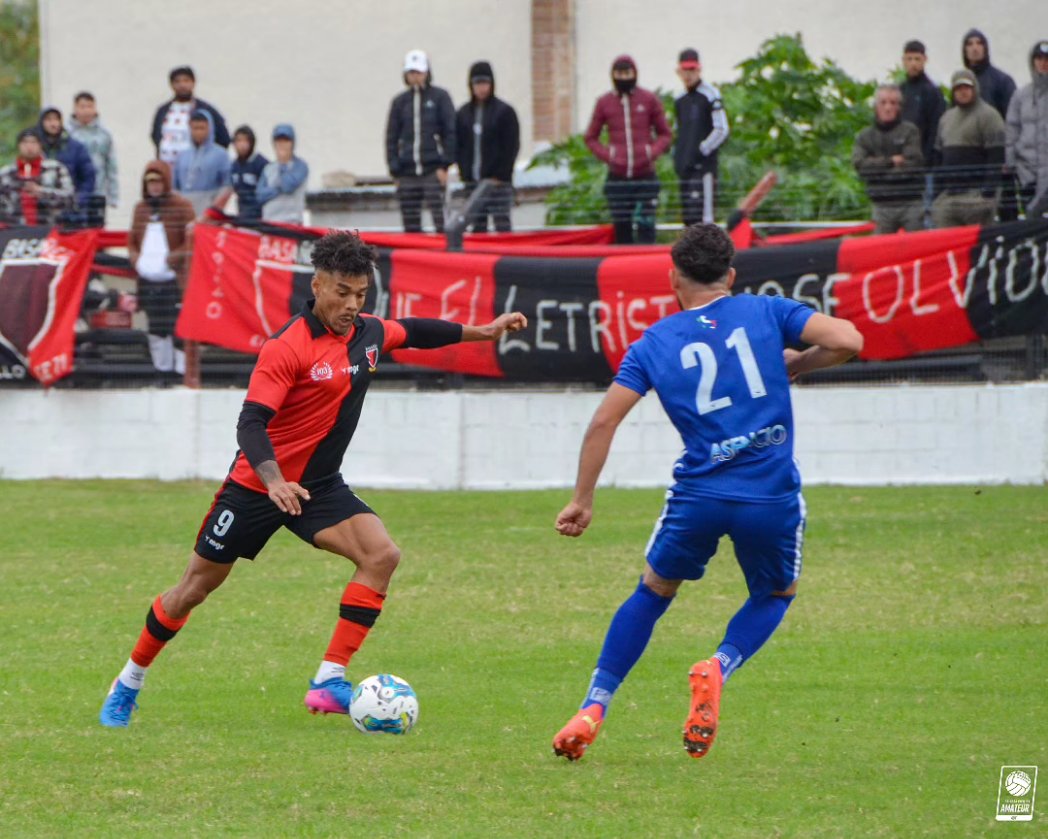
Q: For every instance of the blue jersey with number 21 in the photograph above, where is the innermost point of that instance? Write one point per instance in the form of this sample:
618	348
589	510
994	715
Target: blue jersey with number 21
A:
719	372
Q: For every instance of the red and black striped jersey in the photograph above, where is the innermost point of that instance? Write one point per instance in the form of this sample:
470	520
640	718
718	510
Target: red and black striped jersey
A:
314	381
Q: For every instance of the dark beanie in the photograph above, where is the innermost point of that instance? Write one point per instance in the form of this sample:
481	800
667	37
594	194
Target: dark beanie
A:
27	132
914	46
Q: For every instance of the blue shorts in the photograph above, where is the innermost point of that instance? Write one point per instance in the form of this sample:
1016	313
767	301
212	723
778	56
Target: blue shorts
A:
768	539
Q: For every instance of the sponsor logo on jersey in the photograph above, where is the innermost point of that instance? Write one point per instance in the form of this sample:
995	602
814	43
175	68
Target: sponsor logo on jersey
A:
372	355
772	435
705	322
321	371
351	370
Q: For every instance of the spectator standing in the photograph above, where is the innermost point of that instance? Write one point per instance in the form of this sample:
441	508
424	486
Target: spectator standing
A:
969	152
245	172
202	170
170	132
888	157
420	143
159	248
488	135
995	86
86	128
57	144
702	127
1026	135
33	189
923	105
282	187
637	135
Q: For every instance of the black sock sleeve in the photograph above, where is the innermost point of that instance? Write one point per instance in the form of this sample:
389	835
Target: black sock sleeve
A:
252	438
429	333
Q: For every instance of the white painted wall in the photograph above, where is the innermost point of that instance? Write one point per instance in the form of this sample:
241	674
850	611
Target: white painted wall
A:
501	439
331	68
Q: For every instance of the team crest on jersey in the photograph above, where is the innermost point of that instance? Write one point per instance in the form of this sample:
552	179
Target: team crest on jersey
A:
706	323
372	355
321	371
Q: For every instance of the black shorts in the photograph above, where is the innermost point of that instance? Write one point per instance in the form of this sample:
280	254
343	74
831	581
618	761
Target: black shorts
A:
241	520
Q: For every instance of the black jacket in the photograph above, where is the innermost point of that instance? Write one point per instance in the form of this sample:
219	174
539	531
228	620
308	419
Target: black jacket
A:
702	127
435	120
923	104
221	132
995	86
499	139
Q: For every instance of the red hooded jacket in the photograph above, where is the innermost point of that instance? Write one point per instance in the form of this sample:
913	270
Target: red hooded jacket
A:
637	130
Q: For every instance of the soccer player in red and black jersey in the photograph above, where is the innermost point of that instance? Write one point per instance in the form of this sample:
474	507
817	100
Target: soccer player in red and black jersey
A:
302	406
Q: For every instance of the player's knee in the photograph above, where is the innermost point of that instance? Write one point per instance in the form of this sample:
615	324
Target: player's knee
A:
789	593
384	561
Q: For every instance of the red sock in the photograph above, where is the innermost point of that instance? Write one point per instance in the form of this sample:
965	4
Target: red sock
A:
159	629
360	609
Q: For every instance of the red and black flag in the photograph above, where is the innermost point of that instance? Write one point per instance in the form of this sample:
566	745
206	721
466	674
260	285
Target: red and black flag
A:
908	293
43	274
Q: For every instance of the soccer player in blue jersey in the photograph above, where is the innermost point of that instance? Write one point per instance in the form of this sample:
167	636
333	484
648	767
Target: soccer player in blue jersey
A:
722	368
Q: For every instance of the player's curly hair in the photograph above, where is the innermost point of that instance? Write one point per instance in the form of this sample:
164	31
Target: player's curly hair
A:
344	252
703	253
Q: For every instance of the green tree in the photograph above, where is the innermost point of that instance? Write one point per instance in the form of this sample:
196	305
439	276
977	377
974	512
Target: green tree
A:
19	71
787	113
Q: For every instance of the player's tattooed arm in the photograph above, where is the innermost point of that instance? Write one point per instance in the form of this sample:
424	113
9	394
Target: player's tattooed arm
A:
287	495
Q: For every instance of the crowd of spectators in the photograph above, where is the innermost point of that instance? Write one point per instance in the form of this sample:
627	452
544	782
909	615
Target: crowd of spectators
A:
980	156
926	160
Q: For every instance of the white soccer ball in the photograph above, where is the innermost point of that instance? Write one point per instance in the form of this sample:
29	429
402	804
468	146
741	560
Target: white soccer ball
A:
1018	783
384	704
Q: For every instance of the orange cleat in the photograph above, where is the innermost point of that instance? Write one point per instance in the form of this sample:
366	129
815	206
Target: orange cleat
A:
700	728
571	741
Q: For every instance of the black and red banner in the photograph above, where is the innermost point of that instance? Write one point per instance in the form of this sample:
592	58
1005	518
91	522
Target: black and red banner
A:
43	273
907	293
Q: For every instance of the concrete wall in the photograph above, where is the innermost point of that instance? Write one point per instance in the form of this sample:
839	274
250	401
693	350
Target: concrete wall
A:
331	68
502	439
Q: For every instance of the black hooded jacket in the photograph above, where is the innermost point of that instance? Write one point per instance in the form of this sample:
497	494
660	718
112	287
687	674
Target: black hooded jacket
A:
923	105
995	86
497	134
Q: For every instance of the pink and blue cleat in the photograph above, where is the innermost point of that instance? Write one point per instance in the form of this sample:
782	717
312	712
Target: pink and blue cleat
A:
120	702
329	697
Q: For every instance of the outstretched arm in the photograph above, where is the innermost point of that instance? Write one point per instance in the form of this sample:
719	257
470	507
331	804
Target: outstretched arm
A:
430	333
618	402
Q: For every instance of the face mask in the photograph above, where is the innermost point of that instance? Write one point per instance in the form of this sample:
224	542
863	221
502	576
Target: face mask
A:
625	85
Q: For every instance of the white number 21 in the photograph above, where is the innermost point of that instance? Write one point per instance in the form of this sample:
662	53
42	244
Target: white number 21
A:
701	354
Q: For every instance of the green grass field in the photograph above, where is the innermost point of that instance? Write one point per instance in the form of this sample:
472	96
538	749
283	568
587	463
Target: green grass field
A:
913	665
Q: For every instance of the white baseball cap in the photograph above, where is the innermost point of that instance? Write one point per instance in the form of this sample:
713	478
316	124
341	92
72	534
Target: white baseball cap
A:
416	60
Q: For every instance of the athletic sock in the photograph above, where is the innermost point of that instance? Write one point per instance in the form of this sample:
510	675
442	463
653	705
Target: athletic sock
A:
330	670
133	675
159	629
627	636
358	612
747	631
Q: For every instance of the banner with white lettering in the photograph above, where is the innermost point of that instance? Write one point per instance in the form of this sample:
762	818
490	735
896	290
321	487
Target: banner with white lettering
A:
43	273
908	293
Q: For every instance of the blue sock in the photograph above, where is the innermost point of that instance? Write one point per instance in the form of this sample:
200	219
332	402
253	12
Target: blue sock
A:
624	644
752	625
